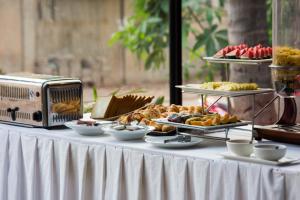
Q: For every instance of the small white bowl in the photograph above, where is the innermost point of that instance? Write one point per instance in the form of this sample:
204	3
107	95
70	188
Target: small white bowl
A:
83	129
269	151
128	135
240	147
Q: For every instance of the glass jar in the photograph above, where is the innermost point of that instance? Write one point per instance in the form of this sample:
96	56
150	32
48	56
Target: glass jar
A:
286	47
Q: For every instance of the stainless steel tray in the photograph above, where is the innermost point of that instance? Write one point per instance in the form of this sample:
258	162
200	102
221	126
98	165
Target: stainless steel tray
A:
202	128
194	88
238	61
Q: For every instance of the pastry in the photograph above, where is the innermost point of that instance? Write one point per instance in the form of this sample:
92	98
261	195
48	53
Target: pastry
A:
166	128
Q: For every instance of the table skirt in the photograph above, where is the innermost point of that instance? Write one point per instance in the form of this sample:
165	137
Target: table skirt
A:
36	168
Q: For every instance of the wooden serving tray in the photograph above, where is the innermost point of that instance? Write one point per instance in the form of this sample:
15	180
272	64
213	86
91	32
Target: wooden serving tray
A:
286	134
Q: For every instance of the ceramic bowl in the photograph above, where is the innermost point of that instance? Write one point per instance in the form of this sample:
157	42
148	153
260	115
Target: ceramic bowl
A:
240	147
83	129
128	135
269	151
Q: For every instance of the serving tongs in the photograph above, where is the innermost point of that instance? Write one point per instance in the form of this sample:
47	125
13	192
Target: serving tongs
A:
179	138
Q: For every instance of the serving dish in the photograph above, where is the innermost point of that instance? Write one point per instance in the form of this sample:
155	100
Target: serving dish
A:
128	134
203	128
162	134
252	159
173	144
269	151
86	130
240	147
194	88
238	61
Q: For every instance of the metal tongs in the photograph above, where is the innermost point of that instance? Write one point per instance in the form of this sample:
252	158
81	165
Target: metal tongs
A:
180	138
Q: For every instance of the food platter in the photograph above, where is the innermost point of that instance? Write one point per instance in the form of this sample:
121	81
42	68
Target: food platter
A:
202	128
238	61
194	88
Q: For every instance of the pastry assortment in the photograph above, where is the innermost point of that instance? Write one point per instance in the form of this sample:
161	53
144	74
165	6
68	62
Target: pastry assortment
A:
228	86
286	56
203	120
113	106
243	51
145	116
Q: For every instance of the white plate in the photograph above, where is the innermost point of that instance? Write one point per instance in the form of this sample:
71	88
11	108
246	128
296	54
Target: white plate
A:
239	61
195	88
160	138
173	144
253	159
182	125
128	135
83	129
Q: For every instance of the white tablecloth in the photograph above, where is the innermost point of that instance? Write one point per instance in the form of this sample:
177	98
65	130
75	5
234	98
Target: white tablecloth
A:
37	164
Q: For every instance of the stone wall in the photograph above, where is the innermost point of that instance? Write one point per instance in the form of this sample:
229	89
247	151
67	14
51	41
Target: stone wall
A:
69	37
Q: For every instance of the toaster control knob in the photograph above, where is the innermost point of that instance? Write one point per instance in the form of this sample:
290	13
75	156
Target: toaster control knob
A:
37	116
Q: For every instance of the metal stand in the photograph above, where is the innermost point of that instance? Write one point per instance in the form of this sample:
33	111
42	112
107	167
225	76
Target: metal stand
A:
228	96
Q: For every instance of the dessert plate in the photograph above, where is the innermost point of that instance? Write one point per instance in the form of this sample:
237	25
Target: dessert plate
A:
283	161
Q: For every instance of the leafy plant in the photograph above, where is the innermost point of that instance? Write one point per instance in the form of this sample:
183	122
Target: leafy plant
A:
146	33
159	100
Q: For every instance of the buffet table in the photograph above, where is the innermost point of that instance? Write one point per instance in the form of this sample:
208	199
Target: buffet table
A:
38	164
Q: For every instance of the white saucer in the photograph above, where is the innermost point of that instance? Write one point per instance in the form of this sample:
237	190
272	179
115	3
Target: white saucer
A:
173	144
283	161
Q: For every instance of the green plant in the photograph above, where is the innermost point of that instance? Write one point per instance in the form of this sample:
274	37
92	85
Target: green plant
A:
146	32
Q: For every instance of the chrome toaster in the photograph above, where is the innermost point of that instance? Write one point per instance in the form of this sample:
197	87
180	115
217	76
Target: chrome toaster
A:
39	100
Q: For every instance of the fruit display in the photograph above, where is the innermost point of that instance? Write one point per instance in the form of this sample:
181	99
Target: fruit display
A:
204	120
228	86
286	56
243	51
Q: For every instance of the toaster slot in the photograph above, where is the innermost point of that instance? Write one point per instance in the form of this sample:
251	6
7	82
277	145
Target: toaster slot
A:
64	103
12	92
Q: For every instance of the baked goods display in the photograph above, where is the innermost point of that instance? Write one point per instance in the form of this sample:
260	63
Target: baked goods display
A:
145	116
228	86
286	56
243	51
113	106
203	120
